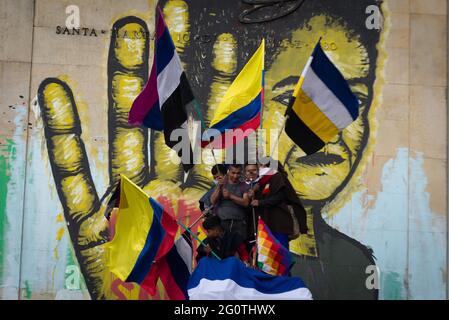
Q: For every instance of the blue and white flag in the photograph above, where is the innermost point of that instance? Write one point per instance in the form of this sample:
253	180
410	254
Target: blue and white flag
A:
230	279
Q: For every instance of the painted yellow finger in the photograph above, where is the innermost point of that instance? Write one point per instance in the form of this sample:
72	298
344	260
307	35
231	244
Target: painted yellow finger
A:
127	74
224	65
176	13
73	179
66	150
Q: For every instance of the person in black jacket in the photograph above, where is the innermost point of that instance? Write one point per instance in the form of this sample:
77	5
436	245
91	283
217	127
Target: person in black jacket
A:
277	203
224	244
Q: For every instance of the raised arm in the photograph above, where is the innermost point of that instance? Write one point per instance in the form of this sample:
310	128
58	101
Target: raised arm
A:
216	195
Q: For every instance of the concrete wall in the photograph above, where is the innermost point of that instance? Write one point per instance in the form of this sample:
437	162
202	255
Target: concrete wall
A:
377	195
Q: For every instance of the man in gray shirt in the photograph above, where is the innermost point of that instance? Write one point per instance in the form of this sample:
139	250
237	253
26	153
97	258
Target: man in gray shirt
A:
230	200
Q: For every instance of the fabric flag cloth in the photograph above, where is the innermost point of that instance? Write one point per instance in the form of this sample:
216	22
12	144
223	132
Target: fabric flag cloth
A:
265	174
272	257
322	104
165	99
241	106
230	279
173	270
142	233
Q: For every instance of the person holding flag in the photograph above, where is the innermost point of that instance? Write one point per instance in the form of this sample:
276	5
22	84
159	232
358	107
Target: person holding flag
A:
230	199
277	203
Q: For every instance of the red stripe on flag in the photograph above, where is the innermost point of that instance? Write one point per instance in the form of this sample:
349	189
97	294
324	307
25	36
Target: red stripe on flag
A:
171	287
170	226
228	138
150	281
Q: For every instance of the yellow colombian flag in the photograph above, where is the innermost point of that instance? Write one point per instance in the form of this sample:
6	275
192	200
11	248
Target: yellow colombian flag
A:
134	222
241	105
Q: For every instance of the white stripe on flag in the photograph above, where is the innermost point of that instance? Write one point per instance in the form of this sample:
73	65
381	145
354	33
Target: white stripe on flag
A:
229	290
168	80
185	251
326	101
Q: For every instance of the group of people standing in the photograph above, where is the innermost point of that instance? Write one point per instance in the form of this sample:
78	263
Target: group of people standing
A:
239	196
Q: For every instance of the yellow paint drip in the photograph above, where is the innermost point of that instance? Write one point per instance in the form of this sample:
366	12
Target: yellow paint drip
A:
60	218
60	233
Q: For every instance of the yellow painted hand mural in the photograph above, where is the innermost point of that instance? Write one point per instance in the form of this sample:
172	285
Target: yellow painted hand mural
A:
214	46
128	154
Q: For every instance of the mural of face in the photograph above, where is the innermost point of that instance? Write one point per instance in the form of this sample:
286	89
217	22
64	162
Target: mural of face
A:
213	46
219	45
227	44
320	176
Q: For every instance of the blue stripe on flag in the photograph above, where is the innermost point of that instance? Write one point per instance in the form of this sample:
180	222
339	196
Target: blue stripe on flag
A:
239	117
152	244
165	50
153	119
234	269
334	80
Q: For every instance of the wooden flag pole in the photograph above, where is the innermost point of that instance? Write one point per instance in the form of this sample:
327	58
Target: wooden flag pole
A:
255	239
255	229
255	224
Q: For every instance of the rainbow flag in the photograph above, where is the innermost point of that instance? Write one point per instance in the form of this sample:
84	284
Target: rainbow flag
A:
272	257
144	233
241	106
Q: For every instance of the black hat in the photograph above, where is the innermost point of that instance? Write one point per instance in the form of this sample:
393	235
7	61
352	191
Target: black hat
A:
211	222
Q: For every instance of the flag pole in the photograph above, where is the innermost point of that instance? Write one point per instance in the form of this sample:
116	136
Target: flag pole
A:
203	126
256	244
255	228
255	238
197	239
203	214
